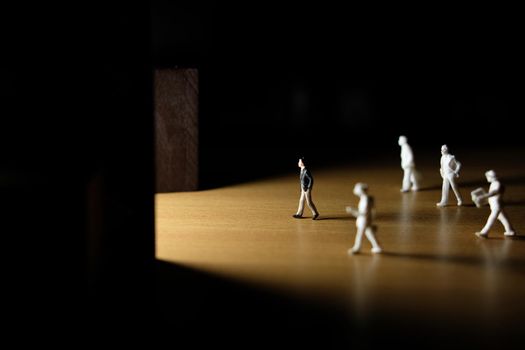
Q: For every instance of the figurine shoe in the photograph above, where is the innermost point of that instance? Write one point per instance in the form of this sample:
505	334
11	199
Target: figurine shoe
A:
297	216
482	235
353	251
315	216
509	234
376	250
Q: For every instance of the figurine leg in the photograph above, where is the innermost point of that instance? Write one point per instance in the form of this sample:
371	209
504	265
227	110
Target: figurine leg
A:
407	173
509	231
490	221
369	232
310	203
357	242
456	190
413	179
444	193
301	204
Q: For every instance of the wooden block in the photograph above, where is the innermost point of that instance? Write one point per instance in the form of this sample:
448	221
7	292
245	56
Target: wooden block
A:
176	129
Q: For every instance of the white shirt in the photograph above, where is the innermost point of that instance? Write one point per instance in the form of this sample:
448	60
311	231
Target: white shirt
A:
407	157
449	165
494	201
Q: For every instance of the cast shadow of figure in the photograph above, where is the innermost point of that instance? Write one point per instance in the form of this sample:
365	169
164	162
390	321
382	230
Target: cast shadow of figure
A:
514	203
343	218
517	237
517	265
430	188
461	184
506	180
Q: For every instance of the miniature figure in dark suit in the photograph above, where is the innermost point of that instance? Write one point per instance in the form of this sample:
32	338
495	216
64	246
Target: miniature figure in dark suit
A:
307	184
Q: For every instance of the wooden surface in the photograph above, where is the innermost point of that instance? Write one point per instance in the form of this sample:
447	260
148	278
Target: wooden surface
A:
433	268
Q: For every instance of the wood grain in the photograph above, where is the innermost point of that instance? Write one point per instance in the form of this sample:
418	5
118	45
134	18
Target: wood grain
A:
433	267
176	129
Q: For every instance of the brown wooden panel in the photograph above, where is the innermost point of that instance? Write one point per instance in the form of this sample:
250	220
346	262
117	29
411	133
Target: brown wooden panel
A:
176	129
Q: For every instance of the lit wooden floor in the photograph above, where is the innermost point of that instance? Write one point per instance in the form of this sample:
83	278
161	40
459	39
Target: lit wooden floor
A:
433	266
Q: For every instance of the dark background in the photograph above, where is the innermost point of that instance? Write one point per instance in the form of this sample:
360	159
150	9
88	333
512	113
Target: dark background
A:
339	81
77	166
329	81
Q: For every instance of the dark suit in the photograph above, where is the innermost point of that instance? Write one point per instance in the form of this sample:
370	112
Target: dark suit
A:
307	180
307	183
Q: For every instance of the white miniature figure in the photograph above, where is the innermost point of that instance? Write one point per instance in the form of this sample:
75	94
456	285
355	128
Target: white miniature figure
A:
307	184
494	195
410	180
363	213
449	170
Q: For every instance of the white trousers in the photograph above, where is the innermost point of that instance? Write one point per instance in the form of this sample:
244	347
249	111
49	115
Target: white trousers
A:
368	230
306	195
409	179
500	215
448	181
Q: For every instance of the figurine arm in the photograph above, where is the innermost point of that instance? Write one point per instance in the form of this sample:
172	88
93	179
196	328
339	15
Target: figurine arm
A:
454	165
407	162
458	167
492	193
409	157
370	207
352	211
307	181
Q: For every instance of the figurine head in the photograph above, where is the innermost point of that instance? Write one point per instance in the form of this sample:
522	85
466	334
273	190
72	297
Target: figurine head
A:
444	149
491	175
301	163
402	140
360	189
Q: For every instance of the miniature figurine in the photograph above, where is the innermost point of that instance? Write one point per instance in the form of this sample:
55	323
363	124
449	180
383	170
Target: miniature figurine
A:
363	213
307	183
410	179
449	171
494	197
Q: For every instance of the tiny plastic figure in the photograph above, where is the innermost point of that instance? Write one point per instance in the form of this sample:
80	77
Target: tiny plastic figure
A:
449	170
363	213
307	183
494	195
410	180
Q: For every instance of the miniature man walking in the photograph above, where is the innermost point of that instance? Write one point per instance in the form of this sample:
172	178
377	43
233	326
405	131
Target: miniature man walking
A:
449	170
496	191
364	219
307	184
407	164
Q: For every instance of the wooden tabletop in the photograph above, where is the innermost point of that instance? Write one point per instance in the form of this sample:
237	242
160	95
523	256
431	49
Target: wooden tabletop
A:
433	265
